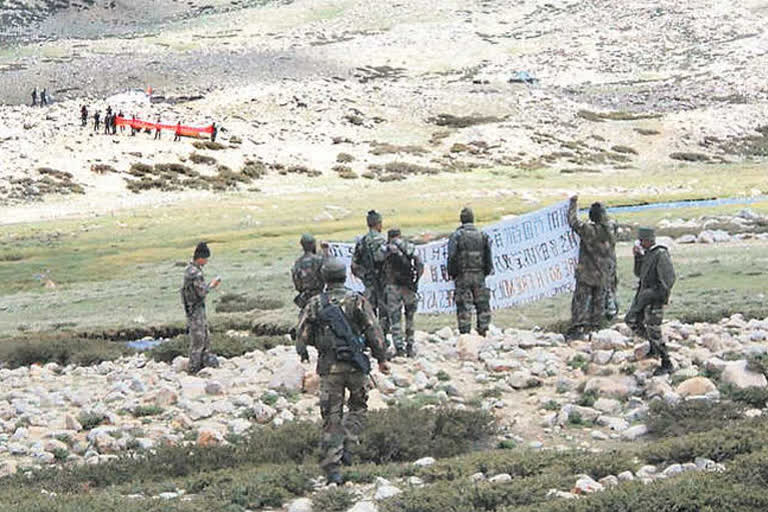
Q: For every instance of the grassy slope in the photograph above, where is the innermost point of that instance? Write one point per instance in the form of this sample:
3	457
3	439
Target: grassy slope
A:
111	270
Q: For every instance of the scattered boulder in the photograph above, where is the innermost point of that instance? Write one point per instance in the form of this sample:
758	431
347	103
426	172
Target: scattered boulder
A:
696	386
738	374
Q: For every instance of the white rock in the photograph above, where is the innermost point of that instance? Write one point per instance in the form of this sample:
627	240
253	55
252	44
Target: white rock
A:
609	481
634	432
213	387
602	357
364	506
386	491
586	485
289	376
468	347
737	374
674	469
198	411
300	505
696	386
626	476
239	426
425	461
501	478
446	333
523	379
609	405
609	339
599	436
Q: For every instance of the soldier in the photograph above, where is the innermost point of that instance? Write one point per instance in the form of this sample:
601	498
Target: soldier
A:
305	273
157	128
44	97
177	133
596	268
401	269
653	267
214	132
368	270
469	263
339	323
34	97
96	120
84	115
193	295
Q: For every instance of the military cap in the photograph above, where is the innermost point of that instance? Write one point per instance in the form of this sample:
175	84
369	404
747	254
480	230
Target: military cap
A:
467	215
202	251
307	241
646	234
392	233
334	271
373	218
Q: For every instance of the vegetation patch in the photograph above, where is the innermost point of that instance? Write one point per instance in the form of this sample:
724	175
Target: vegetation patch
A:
690	157
221	344
202	159
62	348
236	302
207	144
383	148
599	117
454	121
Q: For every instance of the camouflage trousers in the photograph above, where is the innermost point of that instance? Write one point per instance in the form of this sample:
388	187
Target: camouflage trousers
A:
645	318
587	306
340	431
377	299
473	292
397	299
199	341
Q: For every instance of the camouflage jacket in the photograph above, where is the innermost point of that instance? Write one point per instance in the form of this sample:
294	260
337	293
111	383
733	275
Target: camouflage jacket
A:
469	252
360	316
597	250
306	275
364	264
194	290
656	273
401	264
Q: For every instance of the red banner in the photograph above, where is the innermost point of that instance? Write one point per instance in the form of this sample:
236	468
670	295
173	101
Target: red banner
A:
187	131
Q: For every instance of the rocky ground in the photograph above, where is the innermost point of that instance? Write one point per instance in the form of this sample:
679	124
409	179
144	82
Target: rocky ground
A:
546	394
386	90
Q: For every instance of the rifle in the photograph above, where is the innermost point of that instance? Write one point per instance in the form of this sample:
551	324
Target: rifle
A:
351	351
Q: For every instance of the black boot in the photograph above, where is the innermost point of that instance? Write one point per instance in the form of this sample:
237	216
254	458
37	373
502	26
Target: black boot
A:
409	352
666	365
335	477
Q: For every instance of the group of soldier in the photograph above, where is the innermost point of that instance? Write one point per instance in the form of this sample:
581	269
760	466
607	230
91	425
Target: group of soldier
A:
109	122
594	298
341	323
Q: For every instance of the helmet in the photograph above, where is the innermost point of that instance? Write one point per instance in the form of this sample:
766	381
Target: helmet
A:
467	215
334	271
308	242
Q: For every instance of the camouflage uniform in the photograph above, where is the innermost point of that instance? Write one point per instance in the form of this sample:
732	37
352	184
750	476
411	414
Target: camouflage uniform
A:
595	271
306	277
657	276
340	430
469	263
401	267
193	294
368	270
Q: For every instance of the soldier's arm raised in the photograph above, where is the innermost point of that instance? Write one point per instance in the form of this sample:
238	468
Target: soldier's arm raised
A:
573	216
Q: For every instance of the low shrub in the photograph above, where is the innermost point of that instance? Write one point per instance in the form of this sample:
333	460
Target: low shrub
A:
147	410
238	303
221	344
690	416
62	348
333	500
405	433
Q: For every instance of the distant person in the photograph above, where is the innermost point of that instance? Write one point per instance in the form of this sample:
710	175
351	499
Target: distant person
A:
595	270
113	124
306	272
177	133
107	122
133	125
656	275
44	97
122	126
469	263
214	132
193	294
34	97
366	268
96	121
157	129
84	115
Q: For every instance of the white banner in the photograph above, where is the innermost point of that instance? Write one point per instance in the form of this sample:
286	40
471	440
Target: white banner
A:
534	256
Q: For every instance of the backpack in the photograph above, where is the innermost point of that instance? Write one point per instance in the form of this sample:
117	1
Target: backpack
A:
339	337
